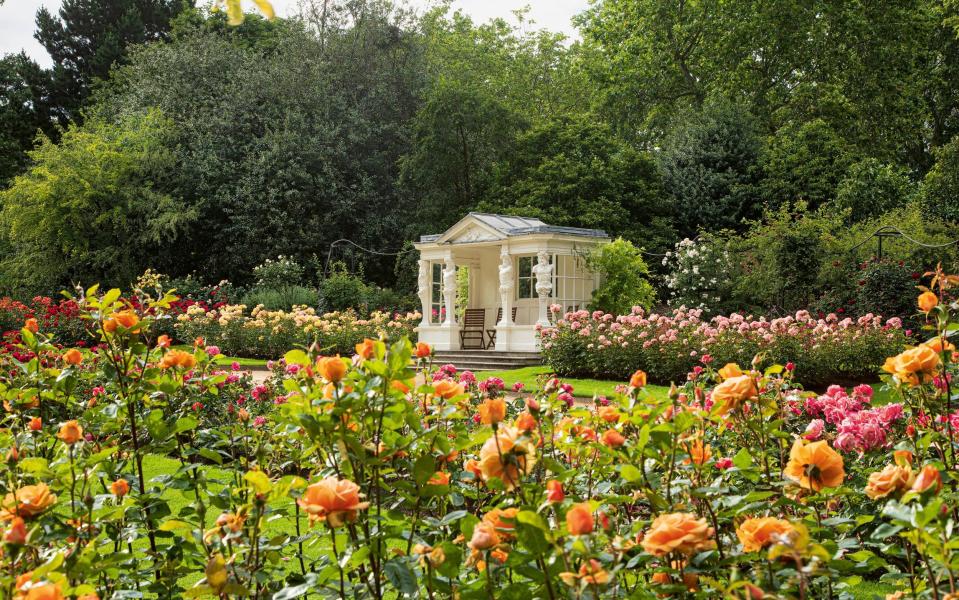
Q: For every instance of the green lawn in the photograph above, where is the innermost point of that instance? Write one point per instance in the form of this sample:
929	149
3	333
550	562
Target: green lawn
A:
587	388
224	360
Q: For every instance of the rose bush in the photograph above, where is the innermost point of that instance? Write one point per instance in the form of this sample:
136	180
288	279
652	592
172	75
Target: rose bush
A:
668	346
373	474
262	333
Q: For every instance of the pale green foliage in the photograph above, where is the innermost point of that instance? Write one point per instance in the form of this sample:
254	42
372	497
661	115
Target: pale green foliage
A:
87	209
625	278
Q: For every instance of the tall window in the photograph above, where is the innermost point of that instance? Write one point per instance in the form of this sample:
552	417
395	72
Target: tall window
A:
526	280
573	282
437	310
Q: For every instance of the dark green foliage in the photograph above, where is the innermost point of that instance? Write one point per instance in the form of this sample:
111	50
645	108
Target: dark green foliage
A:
86	38
941	189
577	172
871	189
342	290
804	162
709	167
27	108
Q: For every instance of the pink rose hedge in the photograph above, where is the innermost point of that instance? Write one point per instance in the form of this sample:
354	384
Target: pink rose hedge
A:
668	346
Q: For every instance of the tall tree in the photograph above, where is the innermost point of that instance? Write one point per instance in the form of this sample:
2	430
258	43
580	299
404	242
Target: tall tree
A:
577	172
710	168
26	109
88	37
283	147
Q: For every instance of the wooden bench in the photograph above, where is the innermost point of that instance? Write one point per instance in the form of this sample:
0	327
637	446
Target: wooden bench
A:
474	324
491	333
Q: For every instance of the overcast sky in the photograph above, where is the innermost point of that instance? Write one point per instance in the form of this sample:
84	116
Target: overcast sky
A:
17	17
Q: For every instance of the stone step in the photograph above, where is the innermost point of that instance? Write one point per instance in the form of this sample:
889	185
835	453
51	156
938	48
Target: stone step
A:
488	354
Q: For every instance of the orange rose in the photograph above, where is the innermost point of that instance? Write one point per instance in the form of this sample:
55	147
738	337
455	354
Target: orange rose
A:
164	341
504	520
729	371
36	424
613	438
32	325
366	348
903	458
331	368
927	479
447	389
73	357
333	500
400	387
28	501
88	597
40	591
524	422
732	392
913	366
178	358
610	414
757	533
484	536
492	411
16	533
927	301
579	519
698	453
70	433
893	478
939	345
677	532
472	465
506	456
590	573
423	350
124	318
439	478
814	465
554	491
638	379
120	488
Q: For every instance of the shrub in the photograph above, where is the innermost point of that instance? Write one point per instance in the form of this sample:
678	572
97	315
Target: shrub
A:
279	273
699	274
669	346
281	298
265	333
342	290
625	277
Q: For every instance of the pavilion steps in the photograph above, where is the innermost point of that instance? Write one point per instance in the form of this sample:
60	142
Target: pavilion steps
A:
486	360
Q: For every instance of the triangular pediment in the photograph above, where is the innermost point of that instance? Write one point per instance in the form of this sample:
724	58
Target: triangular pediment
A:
470	229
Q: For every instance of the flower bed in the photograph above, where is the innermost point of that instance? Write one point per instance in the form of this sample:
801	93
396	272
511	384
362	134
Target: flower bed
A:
263	333
380	475
822	350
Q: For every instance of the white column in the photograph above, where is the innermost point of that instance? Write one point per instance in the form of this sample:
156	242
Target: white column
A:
506	286
424	291
544	285
449	291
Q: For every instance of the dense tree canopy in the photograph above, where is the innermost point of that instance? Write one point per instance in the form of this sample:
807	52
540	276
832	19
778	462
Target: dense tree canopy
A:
362	119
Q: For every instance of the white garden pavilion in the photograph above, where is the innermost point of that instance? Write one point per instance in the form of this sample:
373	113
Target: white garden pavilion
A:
515	265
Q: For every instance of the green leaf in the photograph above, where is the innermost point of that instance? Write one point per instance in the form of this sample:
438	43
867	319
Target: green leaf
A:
401	576
259	481
743	459
423	469
630	473
297	357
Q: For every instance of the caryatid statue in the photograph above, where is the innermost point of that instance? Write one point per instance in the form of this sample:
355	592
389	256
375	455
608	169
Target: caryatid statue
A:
449	291
506	287
423	291
543	270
